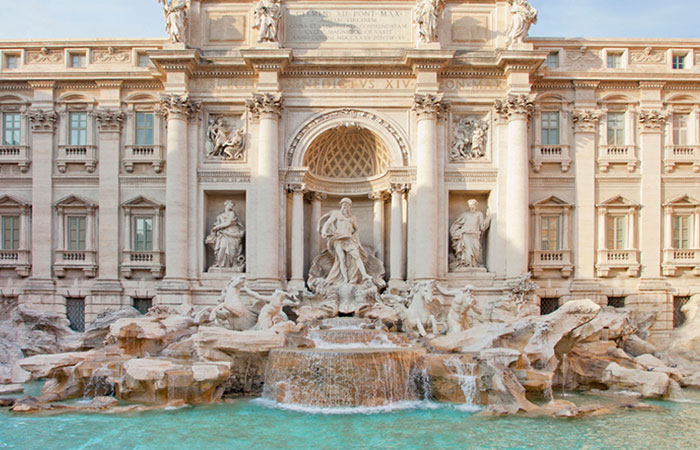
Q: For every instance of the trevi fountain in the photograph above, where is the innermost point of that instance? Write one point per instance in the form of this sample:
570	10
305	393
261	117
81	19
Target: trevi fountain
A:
354	348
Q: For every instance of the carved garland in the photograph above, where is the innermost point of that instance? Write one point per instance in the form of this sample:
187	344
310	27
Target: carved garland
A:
350	113
43	121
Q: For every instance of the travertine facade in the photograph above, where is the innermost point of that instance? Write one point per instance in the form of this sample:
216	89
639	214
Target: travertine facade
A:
119	157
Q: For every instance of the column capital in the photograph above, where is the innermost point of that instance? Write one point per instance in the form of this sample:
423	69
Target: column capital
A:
296	188
399	188
265	105
515	107
585	120
652	120
110	121
378	195
178	106
316	196
430	106
42	121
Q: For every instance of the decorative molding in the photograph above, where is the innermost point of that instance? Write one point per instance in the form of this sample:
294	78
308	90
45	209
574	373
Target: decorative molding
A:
653	120
219	73
618	85
42	121
583	59
430	106
652	84
145	85
178	106
585	120
265	104
553	85
42	84
110	55
648	56
110	121
45	56
515	106
14	86
109	83
223	176
76	85
350	114
131	181
347	73
585	84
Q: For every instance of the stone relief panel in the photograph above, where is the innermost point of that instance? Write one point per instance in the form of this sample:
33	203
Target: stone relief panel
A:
469	138
583	59
266	16
226	138
45	56
110	55
648	56
224	27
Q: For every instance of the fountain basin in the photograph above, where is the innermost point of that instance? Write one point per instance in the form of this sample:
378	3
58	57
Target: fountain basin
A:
343	377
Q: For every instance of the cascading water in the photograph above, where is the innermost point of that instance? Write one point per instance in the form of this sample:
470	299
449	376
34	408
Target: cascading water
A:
464	372
350	367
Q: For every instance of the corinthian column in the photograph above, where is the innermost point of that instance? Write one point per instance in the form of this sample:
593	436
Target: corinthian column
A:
428	108
109	124
267	107
316	199
396	246
297	280
177	109
516	109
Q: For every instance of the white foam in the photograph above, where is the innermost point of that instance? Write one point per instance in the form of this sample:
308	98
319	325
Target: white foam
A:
347	410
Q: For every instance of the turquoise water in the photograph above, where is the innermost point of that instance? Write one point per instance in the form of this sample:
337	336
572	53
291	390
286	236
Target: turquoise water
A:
250	424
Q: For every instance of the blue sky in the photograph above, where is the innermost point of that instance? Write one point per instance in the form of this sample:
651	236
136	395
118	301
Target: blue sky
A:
25	19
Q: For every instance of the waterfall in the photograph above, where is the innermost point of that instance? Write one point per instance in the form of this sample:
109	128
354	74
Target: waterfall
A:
464	372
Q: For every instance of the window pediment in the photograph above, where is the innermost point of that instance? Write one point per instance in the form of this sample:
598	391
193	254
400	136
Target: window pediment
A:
74	201
619	202
8	201
684	200
142	202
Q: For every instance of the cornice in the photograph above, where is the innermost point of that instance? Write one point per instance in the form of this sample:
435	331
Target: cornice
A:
15	86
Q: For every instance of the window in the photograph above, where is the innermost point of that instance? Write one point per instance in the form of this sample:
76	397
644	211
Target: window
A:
617	231
548	305
10	232
77	60
144	128
75	312
616	302
614	60
616	128
143	234
75	229
77	128
678	61
550	128
11	61
681	232
680	129
552	60
142	304
551	233
11	129
679	301
143	60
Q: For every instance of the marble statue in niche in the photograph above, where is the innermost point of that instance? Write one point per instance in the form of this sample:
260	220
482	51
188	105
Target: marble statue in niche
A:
469	139
266	16
425	15
175	12
226	239
466	236
522	16
345	271
224	141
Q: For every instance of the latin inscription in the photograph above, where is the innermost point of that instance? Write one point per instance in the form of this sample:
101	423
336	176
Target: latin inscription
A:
348	25
347	83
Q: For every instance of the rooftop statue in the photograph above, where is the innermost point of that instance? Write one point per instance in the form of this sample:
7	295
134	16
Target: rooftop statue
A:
267	14
175	12
465	234
523	15
425	15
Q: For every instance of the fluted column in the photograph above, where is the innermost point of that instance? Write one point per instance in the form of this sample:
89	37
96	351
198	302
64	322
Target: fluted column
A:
317	199
109	124
43	126
668	228
297	279
267	107
396	244
516	109
428	108
177	110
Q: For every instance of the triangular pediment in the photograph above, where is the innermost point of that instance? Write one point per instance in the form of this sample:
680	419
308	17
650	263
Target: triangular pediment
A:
141	202
619	201
552	200
74	200
683	200
10	201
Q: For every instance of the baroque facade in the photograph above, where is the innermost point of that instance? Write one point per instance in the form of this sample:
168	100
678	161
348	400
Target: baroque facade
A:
149	171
